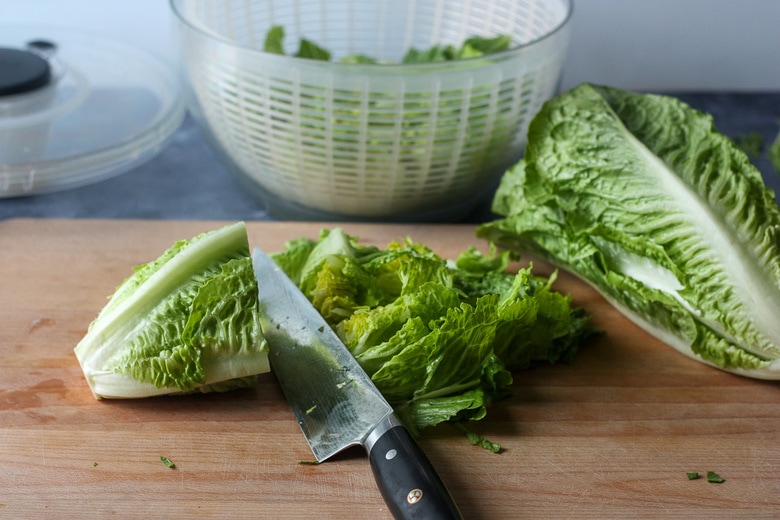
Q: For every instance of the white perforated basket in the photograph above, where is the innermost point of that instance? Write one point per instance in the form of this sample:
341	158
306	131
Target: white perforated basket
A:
399	142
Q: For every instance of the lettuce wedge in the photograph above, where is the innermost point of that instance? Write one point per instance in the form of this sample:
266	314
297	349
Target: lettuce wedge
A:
185	322
642	197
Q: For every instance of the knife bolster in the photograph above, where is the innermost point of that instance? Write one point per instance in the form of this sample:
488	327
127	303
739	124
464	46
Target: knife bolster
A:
388	423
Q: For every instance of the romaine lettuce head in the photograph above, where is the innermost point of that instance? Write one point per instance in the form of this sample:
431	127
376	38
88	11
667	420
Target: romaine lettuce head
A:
438	338
643	198
182	323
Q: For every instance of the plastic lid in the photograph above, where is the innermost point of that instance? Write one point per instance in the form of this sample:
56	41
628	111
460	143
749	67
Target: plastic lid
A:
79	108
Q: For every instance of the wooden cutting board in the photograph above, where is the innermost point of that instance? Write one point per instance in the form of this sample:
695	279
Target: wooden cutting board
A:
610	436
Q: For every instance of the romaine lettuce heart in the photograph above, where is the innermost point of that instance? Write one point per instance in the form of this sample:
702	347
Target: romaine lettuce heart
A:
185	322
642	197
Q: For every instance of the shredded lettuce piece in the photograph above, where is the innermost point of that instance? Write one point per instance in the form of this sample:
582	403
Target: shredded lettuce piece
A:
642	197
440	339
478	440
184	322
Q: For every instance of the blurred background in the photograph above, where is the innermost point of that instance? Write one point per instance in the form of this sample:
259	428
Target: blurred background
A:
672	45
720	56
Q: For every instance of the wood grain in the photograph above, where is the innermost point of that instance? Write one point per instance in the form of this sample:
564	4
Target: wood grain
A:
610	436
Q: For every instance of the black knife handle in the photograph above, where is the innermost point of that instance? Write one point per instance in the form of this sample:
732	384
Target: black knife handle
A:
406	478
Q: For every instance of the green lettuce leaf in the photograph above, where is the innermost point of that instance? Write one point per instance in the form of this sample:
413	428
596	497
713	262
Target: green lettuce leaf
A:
438	338
274	40
184	322
774	153
642	197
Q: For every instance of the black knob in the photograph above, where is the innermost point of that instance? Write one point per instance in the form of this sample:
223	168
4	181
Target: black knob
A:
22	71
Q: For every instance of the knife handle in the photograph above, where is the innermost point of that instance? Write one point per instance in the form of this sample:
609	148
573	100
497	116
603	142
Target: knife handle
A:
405	477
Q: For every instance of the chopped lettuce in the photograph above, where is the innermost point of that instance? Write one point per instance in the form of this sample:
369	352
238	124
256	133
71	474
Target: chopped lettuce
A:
354	120
473	47
274	44
184	322
439	339
642	197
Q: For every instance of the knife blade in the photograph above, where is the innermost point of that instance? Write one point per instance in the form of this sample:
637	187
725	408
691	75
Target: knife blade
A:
335	402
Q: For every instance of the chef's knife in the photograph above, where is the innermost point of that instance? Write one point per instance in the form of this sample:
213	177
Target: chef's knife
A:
336	403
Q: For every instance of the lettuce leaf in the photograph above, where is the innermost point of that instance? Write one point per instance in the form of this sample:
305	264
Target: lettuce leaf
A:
642	197
774	153
438	338
184	322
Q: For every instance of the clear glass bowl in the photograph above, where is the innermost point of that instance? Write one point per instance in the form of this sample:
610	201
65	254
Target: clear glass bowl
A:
342	141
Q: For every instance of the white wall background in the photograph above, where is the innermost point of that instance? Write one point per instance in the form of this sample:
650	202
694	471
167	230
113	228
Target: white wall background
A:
632	44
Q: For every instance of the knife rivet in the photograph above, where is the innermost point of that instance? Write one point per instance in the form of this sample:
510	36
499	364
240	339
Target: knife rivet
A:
414	496
390	455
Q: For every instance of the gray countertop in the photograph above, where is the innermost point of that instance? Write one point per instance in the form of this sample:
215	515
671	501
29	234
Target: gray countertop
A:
186	181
